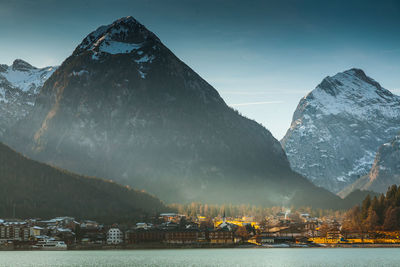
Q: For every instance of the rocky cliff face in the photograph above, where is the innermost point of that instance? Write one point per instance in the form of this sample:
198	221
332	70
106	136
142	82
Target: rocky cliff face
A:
20	83
338	127
385	170
124	106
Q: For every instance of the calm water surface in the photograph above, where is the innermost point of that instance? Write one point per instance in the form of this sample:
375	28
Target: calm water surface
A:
207	257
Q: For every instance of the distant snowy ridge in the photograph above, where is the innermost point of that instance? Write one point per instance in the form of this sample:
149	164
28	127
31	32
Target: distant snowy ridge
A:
25	77
20	83
338	127
384	173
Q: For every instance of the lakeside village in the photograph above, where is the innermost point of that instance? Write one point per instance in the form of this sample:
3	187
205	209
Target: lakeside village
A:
172	230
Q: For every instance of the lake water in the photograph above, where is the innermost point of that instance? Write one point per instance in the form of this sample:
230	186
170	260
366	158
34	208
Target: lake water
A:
207	257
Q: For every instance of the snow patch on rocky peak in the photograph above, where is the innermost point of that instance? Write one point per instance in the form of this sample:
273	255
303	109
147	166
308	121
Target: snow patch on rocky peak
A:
145	59
354	93
117	27
116	38
113	47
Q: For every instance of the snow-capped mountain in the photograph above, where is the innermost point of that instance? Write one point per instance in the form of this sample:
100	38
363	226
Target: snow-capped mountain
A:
338	127
384	173
20	83
124	106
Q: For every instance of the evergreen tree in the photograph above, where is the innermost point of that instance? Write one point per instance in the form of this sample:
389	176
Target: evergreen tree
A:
365	207
392	219
371	221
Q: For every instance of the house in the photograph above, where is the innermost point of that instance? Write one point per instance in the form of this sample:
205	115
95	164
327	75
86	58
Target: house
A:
115	236
88	224
171	217
65	234
144	226
169	226
37	231
92	235
56	222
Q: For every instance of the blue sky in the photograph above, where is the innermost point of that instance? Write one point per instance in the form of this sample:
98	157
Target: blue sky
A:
262	56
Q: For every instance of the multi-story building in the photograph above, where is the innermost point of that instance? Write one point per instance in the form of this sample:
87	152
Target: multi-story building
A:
115	236
143	235
14	231
182	236
221	237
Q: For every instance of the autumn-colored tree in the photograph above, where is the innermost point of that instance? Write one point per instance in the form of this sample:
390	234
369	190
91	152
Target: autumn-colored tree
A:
381	209
242	233
382	213
371	222
206	224
392	219
391	194
352	222
295	217
324	229
365	207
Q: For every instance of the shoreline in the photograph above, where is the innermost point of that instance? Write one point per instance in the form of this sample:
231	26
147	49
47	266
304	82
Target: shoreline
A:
199	246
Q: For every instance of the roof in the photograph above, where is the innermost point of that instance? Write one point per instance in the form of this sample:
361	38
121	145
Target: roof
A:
168	214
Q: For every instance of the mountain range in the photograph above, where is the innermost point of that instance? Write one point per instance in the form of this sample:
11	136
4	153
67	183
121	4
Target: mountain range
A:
123	106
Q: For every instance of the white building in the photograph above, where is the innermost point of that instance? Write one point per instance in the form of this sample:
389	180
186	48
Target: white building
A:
115	236
144	226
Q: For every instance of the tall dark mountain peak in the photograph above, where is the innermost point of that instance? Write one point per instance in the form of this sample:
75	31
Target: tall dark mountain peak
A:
124	106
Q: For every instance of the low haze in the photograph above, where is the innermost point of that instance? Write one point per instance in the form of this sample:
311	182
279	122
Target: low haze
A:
262	56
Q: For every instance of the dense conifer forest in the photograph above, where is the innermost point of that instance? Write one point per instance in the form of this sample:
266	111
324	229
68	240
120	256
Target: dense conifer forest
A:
376	213
29	189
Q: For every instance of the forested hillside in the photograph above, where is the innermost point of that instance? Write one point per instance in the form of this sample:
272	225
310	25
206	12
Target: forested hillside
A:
377	213
32	189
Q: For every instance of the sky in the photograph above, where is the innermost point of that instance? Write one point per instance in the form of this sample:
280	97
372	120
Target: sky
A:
261	56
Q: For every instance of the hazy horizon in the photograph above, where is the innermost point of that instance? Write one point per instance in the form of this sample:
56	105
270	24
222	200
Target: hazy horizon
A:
262	56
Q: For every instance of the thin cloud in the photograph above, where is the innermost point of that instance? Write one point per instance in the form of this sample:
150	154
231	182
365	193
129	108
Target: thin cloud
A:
395	50
256	103
244	93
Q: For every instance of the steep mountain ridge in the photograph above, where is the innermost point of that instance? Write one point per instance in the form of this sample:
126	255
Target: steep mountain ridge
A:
124	106
20	83
338	127
384	173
